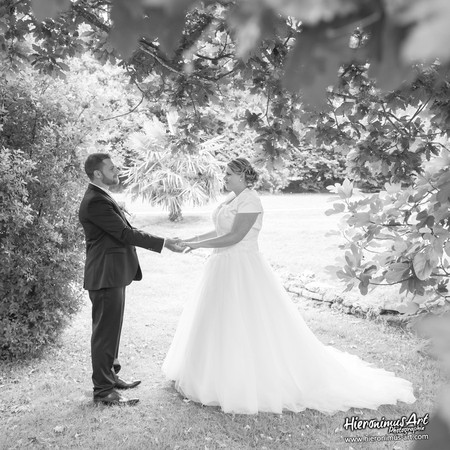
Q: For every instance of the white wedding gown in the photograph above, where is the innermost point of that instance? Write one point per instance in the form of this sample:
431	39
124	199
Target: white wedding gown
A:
241	343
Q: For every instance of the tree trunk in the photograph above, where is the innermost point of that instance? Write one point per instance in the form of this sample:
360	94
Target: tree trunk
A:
175	214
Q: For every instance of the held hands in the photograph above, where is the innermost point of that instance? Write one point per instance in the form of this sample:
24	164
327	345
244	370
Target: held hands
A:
174	245
179	246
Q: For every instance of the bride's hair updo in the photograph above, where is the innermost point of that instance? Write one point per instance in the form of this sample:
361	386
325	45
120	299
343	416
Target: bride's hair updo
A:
241	166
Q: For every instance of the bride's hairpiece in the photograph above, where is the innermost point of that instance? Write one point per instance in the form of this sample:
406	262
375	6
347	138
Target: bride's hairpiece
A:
243	166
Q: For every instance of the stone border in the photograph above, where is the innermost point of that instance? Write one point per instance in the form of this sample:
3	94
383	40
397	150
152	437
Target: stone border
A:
305	286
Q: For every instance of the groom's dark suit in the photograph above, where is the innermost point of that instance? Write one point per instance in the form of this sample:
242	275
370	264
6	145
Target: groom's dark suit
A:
111	264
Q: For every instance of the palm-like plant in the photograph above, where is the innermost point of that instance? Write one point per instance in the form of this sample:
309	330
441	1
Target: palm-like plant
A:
173	166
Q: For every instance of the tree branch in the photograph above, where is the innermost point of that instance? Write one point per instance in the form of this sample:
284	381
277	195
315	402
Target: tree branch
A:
215	58
419	110
129	112
388	284
387	114
143	47
90	17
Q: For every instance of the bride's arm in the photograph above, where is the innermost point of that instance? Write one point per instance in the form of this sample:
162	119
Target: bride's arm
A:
201	237
242	224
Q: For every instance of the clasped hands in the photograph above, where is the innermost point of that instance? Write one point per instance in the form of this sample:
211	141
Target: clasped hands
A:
177	245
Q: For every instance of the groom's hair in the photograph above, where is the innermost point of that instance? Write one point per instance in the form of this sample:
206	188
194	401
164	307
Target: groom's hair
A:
94	162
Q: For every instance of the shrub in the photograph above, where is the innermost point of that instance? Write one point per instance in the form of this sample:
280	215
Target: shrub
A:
40	257
312	169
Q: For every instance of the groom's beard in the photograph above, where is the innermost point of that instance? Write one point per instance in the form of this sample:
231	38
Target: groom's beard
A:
110	181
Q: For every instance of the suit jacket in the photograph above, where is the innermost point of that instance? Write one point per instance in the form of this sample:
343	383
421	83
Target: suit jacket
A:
111	259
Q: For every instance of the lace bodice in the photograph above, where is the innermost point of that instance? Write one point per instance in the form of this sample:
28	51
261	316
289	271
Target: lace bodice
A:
247	201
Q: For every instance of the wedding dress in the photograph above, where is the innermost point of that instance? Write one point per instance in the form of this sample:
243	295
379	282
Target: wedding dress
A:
241	343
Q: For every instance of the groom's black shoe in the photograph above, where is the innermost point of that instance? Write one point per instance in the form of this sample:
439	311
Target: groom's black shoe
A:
115	398
121	384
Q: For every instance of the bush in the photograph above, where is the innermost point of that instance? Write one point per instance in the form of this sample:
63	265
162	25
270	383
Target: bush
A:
313	169
40	239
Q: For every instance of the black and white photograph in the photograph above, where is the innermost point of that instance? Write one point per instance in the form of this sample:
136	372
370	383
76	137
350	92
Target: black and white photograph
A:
225	224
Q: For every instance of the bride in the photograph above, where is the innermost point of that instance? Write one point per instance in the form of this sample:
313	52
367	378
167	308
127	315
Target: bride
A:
241	344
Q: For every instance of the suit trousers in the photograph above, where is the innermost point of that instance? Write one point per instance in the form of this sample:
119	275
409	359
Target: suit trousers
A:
107	318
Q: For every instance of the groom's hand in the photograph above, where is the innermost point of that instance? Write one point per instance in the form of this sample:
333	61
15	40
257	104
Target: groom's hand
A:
173	245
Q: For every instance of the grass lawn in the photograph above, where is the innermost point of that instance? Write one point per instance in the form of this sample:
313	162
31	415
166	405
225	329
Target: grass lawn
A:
47	403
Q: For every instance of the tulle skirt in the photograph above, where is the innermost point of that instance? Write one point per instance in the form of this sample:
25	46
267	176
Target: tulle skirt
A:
241	344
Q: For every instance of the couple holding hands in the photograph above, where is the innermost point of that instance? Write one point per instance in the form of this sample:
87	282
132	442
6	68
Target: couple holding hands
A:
240	344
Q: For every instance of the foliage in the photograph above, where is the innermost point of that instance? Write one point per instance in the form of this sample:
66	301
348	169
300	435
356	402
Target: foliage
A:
205	42
313	169
187	54
108	109
385	136
399	235
40	257
184	53
102	99
175	165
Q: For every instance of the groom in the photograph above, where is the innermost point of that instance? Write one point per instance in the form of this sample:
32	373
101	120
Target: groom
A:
111	265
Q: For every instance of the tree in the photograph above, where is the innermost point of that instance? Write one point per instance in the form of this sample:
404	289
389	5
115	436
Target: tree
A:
197	44
174	165
191	50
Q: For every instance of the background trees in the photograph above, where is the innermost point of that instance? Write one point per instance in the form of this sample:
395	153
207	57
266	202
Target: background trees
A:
207	41
191	50
189	54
